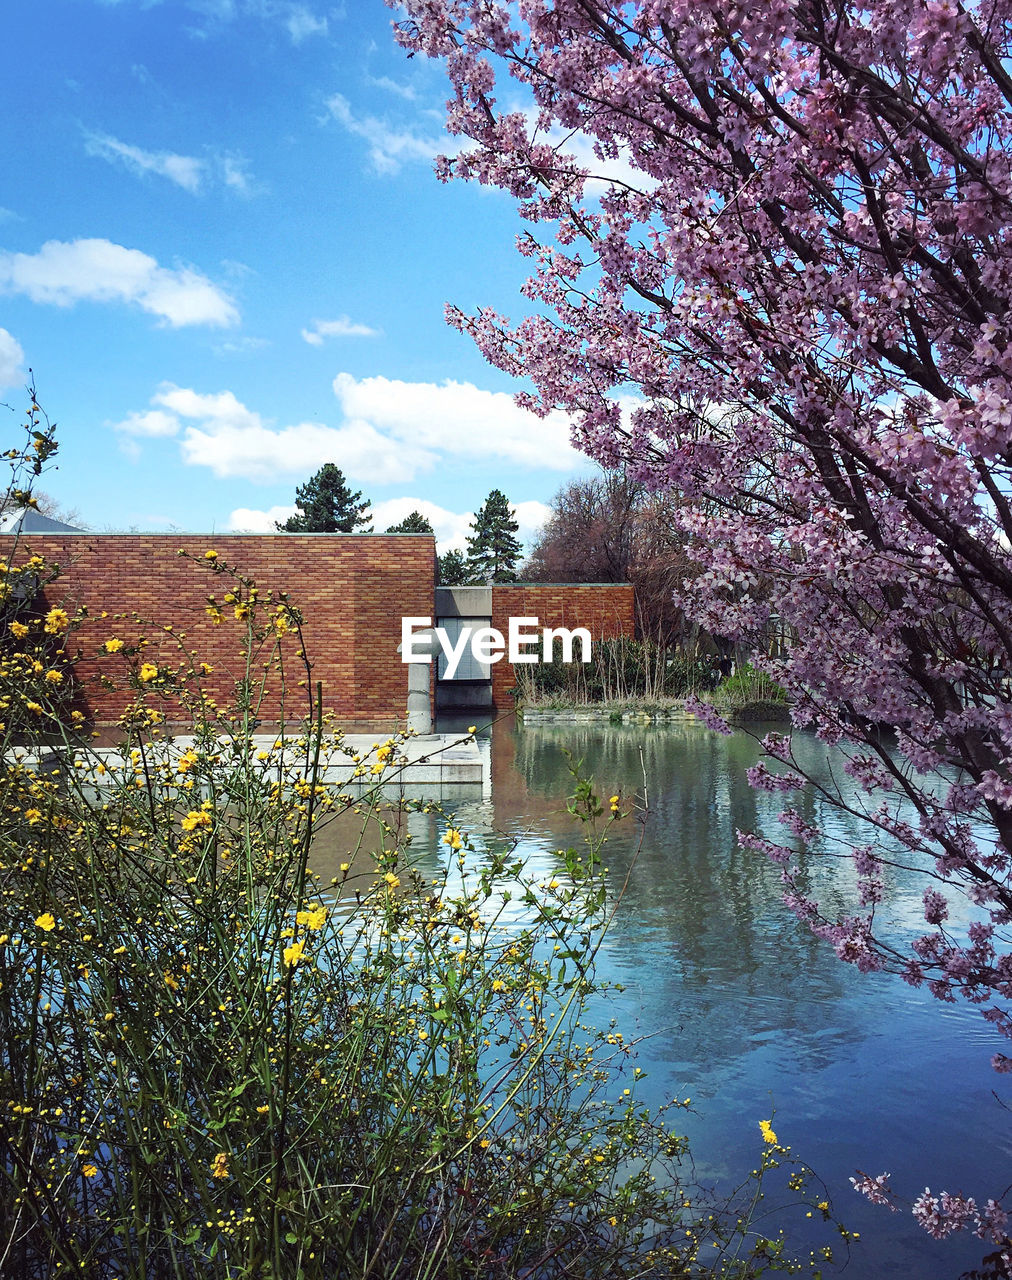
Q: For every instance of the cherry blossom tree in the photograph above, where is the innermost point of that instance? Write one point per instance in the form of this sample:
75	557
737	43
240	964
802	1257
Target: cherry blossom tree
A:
771	258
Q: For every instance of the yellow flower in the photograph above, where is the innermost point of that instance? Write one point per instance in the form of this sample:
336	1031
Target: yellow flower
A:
34	816
35	707
293	954
766	1129
147	672
89	1170
57	620
54	677
472	728
46	921
196	818
210	555
498	984
19	629
215	614
453	838
312	919
113	645
262	1111
219	1165
170	982
392	880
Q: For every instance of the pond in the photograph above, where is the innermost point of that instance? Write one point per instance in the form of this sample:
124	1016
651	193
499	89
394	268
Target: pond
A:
744	1011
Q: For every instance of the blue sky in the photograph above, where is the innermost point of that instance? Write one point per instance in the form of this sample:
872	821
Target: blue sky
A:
225	256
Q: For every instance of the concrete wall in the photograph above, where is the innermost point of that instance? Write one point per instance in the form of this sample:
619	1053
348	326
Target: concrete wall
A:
352	588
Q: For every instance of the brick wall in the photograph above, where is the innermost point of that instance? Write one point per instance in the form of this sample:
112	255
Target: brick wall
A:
607	610
352	588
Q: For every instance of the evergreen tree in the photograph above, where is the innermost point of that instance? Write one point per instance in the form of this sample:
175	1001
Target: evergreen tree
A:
452	570
415	522
327	505
493	550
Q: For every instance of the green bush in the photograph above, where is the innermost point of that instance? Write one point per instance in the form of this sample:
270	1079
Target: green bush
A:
214	1065
748	686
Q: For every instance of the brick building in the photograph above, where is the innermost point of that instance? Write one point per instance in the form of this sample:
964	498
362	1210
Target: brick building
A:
352	590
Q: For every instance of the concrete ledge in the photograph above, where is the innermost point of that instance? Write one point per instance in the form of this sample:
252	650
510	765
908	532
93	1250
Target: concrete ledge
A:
432	760
607	715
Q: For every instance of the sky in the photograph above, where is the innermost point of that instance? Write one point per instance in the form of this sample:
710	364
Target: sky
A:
225	256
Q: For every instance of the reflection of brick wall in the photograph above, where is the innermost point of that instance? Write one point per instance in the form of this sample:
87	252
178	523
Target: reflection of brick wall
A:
352	588
605	609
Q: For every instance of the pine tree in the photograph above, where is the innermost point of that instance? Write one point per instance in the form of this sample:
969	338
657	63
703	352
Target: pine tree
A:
327	505
414	522
493	550
452	570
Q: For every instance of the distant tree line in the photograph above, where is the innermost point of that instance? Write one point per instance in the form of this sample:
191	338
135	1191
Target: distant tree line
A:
326	504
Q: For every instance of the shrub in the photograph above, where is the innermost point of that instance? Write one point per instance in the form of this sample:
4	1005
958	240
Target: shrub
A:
213	1064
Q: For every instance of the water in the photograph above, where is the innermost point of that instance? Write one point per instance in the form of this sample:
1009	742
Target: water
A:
743	1010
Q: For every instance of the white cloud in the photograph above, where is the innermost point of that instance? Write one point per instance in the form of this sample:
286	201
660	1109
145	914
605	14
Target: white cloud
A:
249	520
152	424
235	176
11	359
342	327
185	171
389	434
298	19
459	418
262	453
191	173
301	23
62	273
450	527
531	517
218	431
393	86
241	346
389	146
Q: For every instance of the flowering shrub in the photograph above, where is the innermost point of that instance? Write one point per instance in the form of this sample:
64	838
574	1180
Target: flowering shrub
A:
215	1064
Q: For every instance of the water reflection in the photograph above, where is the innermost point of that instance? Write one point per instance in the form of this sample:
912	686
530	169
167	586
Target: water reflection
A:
743	1008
